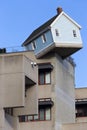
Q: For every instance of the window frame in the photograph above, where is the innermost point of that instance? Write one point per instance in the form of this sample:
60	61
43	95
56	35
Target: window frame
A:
44	39
81	110
34	45
25	118
44	72
74	33
57	32
9	111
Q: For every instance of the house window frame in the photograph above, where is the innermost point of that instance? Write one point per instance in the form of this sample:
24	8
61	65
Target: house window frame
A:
44	39
74	33
45	73
57	32
34	45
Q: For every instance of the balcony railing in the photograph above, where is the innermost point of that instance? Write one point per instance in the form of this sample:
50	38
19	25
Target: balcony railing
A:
12	49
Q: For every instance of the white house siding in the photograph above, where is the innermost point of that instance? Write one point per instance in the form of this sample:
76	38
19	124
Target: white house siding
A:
65	28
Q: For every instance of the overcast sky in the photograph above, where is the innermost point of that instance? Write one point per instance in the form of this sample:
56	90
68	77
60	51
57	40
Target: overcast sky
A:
19	18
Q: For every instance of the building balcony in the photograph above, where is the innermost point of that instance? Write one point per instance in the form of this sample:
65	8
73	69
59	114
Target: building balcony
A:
18	78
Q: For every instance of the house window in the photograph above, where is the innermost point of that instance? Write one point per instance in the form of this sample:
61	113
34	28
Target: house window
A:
43	115
44	77
44	38
57	32
74	33
34	45
22	118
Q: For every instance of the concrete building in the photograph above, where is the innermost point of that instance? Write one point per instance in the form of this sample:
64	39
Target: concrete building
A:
37	88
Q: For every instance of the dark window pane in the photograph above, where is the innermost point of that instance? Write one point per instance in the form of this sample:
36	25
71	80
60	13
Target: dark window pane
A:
41	78
41	114
74	33
44	77
56	31
22	118
81	110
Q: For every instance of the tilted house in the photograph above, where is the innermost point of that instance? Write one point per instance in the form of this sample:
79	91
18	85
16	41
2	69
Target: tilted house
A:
60	34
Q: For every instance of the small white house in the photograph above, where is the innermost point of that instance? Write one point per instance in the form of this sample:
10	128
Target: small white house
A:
60	34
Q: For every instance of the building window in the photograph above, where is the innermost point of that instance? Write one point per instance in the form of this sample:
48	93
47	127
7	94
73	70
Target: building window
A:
22	118
43	115
57	32
34	45
44	77
9	111
74	33
48	114
81	112
43	38
29	118
81	109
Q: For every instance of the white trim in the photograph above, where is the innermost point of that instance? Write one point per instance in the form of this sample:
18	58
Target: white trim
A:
33	45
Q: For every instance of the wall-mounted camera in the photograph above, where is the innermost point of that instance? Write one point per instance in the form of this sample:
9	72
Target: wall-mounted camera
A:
33	64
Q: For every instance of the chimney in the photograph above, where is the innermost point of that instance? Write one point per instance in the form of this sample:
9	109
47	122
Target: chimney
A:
59	10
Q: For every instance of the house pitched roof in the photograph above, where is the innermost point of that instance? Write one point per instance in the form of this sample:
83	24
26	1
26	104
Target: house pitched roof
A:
39	30
46	26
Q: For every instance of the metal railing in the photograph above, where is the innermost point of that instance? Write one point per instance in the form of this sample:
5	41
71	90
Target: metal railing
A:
13	49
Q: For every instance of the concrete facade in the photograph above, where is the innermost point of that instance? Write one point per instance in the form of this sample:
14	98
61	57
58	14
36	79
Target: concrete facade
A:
17	81
61	93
